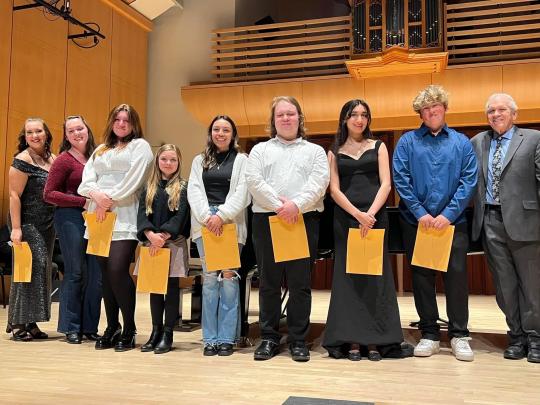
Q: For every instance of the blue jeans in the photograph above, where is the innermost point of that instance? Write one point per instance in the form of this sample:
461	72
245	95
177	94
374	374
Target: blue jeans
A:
80	292
220	304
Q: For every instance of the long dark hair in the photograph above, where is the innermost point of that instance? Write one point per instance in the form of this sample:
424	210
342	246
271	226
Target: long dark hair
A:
109	137
90	143
342	131
22	145
210	152
291	100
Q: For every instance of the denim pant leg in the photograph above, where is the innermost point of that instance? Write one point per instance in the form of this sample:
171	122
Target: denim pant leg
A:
91	306
69	227
210	300
229	308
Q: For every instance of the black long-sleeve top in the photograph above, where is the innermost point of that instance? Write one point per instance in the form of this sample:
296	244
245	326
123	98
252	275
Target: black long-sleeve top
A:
162	219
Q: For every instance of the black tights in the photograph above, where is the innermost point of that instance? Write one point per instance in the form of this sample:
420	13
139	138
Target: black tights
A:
118	286
169	304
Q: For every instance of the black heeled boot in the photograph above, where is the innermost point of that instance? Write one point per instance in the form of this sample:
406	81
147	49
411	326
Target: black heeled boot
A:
166	341
109	338
126	341
155	337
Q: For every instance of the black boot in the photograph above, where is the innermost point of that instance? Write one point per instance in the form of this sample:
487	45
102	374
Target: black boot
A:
165	343
155	337
109	338
126	342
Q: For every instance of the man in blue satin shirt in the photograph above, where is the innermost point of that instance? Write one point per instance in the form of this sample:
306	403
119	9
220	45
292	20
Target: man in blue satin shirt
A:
435	174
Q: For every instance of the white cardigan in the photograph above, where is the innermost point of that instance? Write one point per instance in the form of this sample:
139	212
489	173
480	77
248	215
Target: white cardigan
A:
119	173
234	208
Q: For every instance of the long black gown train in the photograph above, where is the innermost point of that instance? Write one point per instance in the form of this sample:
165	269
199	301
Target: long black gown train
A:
363	308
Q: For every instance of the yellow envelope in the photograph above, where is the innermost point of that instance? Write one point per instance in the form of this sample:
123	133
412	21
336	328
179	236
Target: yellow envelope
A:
432	248
22	263
221	252
289	241
365	255
99	234
153	270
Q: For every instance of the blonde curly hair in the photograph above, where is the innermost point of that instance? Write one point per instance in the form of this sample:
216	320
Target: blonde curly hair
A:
432	94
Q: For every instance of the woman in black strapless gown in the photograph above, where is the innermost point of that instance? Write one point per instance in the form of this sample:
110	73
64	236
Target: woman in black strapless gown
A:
363	309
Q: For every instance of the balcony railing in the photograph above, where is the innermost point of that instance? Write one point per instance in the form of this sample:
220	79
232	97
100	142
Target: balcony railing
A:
488	30
273	51
470	30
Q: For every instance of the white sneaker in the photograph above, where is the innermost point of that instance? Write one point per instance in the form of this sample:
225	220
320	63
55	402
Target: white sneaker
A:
461	348
426	348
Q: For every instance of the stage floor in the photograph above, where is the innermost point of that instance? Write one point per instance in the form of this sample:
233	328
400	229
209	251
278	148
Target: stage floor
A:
54	372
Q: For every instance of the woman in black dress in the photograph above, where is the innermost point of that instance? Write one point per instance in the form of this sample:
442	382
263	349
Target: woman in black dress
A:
363	314
31	220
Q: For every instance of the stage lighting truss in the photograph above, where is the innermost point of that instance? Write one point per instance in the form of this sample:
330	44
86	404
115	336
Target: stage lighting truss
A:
50	7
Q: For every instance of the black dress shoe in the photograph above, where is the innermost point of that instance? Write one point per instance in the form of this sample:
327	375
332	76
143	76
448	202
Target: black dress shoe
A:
74	338
266	350
534	352
299	351
515	352
225	349
109	338
165	343
91	336
210	350
354	355
35	332
374	355
336	353
153	340
126	341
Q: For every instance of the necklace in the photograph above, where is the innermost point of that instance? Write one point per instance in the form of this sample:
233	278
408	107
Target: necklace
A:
78	156
357	148
218	165
44	163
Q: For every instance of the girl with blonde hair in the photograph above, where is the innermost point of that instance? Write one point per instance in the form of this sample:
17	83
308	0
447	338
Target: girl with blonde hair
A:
161	222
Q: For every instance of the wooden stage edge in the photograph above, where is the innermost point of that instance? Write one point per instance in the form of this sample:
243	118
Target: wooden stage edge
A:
52	371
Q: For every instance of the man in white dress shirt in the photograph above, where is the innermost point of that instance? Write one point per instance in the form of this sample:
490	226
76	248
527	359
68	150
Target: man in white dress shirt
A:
287	176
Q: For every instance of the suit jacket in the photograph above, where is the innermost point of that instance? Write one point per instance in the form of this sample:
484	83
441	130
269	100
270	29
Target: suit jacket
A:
519	185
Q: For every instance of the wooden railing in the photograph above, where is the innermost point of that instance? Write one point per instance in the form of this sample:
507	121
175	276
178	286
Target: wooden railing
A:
491	30
273	51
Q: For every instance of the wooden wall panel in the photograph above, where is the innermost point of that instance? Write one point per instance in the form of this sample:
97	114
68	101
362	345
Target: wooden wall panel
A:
521	81
5	53
392	96
470	88
37	75
88	80
38	70
220	100
128	65
323	100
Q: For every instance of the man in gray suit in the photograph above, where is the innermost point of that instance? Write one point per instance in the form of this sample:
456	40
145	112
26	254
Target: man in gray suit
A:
507	216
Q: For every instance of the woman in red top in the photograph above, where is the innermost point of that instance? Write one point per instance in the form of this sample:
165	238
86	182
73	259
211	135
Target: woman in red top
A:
80	292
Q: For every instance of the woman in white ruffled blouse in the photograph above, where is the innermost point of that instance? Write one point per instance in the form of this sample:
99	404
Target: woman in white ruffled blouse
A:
112	179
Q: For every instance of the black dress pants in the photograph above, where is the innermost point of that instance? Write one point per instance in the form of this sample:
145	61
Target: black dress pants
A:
297	273
455	285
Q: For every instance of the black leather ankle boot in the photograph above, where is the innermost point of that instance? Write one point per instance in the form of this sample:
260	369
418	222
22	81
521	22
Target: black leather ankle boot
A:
126	341
109	338
166	341
155	337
